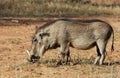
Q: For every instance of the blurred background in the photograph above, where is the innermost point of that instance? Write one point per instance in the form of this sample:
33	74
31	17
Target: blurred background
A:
59	8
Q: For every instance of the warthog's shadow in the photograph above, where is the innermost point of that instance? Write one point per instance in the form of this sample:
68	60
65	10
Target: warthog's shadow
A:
75	61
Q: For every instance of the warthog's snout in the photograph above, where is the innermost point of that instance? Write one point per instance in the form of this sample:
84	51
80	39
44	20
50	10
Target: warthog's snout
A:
32	58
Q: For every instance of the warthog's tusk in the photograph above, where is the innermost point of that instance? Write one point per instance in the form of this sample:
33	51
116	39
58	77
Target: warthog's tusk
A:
28	52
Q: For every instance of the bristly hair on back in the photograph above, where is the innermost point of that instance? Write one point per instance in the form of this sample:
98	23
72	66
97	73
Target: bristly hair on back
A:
77	21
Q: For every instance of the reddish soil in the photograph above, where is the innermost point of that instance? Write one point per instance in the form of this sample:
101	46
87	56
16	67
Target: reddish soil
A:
15	39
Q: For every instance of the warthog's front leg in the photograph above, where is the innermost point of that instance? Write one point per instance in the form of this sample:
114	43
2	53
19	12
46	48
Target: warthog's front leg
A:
68	58
64	54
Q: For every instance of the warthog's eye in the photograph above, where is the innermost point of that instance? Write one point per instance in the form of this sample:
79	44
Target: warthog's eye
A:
34	40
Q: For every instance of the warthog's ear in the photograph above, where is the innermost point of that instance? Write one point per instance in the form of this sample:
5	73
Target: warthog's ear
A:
44	34
41	36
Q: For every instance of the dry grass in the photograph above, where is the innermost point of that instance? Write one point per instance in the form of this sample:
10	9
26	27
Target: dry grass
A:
105	2
81	67
58	8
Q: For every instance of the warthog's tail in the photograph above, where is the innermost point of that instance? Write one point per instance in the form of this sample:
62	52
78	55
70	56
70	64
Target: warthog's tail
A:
112	47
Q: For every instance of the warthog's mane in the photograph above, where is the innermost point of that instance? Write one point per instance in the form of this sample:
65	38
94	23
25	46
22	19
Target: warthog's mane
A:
45	25
49	23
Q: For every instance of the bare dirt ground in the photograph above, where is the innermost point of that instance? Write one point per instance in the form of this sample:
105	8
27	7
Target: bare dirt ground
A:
15	38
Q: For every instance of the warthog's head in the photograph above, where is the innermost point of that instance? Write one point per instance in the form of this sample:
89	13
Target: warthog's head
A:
39	46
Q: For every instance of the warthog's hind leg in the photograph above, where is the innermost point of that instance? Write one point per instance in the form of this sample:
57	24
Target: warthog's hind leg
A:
98	56
102	45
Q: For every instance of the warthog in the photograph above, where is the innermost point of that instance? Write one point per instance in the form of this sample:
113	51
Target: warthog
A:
77	34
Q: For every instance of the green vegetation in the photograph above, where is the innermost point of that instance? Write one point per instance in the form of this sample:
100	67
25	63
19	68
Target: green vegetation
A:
58	8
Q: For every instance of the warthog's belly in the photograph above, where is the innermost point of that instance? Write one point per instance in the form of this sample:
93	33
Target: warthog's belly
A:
83	44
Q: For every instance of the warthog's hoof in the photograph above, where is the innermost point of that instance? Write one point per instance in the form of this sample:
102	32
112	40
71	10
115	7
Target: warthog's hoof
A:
63	63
